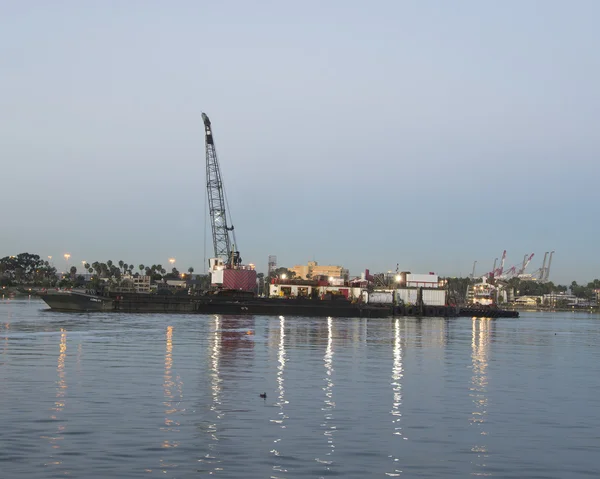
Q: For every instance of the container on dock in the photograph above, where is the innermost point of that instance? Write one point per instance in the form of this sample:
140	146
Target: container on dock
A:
434	297
380	297
406	296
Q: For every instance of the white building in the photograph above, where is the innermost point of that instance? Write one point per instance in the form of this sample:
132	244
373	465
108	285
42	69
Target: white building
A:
422	280
298	290
141	284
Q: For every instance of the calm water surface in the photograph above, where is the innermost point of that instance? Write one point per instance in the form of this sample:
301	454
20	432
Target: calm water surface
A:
135	395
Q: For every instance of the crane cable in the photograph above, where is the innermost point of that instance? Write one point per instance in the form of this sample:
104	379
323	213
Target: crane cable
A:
204	264
228	212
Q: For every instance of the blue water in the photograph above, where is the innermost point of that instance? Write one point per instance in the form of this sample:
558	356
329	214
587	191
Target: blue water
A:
139	395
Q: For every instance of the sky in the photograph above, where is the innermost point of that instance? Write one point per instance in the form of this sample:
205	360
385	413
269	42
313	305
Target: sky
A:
423	134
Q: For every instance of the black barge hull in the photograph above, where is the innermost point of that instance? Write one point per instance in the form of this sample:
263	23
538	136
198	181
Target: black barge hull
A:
141	303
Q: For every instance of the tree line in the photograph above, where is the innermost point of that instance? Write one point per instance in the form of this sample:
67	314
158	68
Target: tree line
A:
27	269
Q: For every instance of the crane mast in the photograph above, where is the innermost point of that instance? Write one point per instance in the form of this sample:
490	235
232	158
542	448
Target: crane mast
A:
543	269
216	201
546	272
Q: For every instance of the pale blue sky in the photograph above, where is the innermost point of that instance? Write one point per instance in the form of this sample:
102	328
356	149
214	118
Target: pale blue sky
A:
425	133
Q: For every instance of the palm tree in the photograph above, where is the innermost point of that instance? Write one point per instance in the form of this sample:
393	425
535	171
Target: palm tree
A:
109	263
142	267
121	263
190	270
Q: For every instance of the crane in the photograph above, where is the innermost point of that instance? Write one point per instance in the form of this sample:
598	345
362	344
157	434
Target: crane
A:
223	246
526	261
500	270
546	272
542	270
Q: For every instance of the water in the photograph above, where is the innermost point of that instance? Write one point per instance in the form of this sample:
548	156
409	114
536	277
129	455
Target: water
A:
135	395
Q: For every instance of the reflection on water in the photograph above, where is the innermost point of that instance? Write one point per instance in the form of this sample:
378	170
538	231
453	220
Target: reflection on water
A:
60	400
362	386
173	394
5	346
329	405
78	357
281	401
216	414
9	315
396	383
235	345
479	355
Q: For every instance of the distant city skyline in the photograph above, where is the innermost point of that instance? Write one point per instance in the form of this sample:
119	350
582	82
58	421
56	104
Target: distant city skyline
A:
61	263
425	134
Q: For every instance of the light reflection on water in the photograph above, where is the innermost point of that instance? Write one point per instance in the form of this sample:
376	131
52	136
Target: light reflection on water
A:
59	402
480	350
344	396
329	402
211	458
173	395
278	468
397	393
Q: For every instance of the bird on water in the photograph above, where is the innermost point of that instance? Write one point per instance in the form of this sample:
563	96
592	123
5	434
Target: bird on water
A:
263	395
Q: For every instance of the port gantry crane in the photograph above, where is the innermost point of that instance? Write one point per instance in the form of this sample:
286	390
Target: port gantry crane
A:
224	248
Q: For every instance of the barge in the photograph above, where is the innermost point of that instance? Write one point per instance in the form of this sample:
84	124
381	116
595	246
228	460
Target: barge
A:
239	303
210	304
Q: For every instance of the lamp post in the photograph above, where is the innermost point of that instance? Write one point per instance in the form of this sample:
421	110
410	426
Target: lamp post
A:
67	256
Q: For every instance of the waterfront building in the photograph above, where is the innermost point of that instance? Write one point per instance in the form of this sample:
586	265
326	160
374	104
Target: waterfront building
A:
559	299
312	270
141	283
529	300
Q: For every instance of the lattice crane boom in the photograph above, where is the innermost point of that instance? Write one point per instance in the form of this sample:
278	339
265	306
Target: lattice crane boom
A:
216	199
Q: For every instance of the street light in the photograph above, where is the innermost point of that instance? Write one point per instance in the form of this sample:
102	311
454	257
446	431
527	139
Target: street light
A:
283	276
172	261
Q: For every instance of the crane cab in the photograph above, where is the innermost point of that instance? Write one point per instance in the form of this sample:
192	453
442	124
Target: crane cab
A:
235	277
